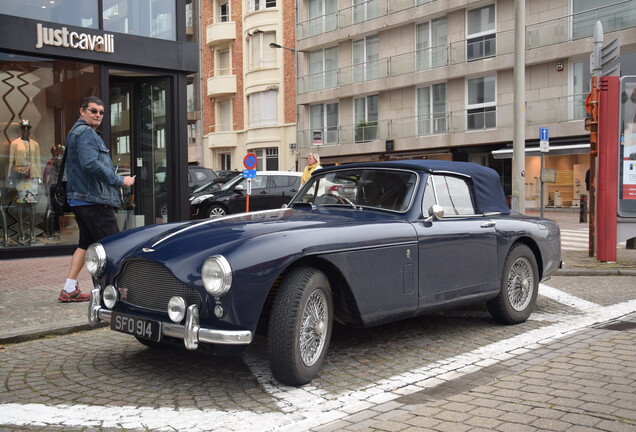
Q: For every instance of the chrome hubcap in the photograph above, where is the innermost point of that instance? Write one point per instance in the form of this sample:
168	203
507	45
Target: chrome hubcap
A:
520	284
313	328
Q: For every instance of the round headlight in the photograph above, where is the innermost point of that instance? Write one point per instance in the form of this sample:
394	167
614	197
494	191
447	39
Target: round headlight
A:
217	275
177	309
95	259
110	296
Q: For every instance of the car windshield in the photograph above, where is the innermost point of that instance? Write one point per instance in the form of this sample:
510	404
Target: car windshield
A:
387	189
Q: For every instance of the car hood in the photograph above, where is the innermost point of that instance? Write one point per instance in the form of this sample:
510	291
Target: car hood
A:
281	232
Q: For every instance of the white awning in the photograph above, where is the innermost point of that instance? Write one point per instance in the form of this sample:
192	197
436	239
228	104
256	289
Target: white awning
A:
554	150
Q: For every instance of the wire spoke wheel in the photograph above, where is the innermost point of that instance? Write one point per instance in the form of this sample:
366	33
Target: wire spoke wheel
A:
313	328
520	283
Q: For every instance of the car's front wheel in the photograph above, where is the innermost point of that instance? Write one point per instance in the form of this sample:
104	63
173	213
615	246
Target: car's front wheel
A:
519	287
300	326
215	210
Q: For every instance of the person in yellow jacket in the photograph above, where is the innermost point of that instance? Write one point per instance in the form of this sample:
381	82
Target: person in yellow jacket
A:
313	163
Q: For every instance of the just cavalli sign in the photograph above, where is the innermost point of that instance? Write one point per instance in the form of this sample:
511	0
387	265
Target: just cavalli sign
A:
62	37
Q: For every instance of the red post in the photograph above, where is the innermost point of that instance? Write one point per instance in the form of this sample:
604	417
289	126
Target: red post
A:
607	184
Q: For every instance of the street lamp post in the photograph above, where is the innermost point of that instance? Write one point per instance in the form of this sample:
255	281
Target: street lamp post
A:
293	50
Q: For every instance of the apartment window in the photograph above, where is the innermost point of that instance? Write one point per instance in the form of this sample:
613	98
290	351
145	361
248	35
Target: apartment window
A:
322	16
482	103
364	10
263	108
366	118
267	158
254	5
323	68
612	14
226	161
431	110
223	11
223	62
366	54
261	54
480	28
223	115
430	41
323	122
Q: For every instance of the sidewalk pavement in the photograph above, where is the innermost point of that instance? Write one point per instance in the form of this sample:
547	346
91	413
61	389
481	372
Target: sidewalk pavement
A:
37	313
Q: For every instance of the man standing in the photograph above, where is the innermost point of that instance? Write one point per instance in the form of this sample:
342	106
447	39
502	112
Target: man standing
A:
91	189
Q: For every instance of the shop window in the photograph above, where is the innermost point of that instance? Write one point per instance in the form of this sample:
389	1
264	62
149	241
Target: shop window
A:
81	13
47	93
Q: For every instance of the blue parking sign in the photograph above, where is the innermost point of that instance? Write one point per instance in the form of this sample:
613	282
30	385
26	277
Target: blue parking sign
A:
249	173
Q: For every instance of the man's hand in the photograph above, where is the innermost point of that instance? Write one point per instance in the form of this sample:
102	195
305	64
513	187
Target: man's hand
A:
129	181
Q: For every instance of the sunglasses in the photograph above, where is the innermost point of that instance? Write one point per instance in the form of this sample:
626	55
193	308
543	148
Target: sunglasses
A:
94	111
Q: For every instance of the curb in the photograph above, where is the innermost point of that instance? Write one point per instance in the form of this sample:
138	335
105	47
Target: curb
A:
42	333
596	272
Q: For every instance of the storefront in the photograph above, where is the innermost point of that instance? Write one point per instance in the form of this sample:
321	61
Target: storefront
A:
135	56
564	173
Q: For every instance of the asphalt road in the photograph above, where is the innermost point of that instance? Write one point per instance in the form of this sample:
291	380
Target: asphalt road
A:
459	370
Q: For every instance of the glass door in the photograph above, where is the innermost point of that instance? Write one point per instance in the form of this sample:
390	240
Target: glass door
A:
139	110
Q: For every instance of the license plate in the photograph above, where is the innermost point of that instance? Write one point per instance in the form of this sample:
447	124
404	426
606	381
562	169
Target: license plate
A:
140	327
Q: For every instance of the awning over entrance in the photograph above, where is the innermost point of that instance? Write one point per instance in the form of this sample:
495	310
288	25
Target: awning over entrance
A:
554	150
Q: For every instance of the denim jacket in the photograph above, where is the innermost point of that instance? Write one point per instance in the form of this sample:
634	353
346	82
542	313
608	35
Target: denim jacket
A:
90	173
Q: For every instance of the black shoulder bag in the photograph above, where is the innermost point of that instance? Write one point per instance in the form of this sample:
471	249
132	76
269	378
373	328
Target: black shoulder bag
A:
59	204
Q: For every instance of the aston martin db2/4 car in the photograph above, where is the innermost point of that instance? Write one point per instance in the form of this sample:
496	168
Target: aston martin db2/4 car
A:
407	238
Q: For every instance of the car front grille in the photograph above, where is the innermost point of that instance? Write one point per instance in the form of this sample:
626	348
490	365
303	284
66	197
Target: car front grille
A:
150	285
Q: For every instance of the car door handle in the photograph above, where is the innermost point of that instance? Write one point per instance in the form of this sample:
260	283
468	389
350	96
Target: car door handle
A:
263	192
488	224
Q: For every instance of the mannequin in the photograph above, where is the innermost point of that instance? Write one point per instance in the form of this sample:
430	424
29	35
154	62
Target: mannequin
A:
24	165
3	214
49	177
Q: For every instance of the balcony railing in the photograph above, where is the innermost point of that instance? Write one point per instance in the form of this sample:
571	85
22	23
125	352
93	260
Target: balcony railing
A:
617	16
556	110
546	111
352	15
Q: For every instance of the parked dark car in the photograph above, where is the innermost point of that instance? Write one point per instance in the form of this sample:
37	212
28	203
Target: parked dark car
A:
413	238
270	189
197	176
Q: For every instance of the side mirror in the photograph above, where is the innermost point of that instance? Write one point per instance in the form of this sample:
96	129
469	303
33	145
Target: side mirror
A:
239	188
435	212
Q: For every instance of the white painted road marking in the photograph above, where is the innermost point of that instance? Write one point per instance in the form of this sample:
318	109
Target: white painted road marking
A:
309	406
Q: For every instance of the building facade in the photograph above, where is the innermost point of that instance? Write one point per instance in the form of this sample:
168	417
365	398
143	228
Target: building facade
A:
391	79
249	86
141	59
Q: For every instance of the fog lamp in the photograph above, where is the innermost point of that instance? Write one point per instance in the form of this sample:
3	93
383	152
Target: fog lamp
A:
177	309
110	296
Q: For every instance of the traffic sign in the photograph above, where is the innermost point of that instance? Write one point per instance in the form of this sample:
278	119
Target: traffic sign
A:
544	146
249	174
250	161
544	134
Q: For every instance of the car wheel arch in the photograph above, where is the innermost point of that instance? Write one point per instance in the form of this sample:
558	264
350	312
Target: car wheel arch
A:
346	310
535	251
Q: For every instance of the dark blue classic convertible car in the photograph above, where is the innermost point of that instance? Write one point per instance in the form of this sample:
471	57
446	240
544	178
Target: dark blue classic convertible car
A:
361	244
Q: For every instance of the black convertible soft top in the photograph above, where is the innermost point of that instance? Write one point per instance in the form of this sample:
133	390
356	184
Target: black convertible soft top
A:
489	194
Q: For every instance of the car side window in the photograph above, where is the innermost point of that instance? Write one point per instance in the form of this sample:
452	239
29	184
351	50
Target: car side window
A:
429	196
282	181
453	194
259	182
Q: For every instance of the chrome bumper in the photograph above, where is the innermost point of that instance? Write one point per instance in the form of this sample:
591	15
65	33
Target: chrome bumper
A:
191	332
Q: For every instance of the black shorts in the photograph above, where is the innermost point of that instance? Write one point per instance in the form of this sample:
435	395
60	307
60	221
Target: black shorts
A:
95	222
